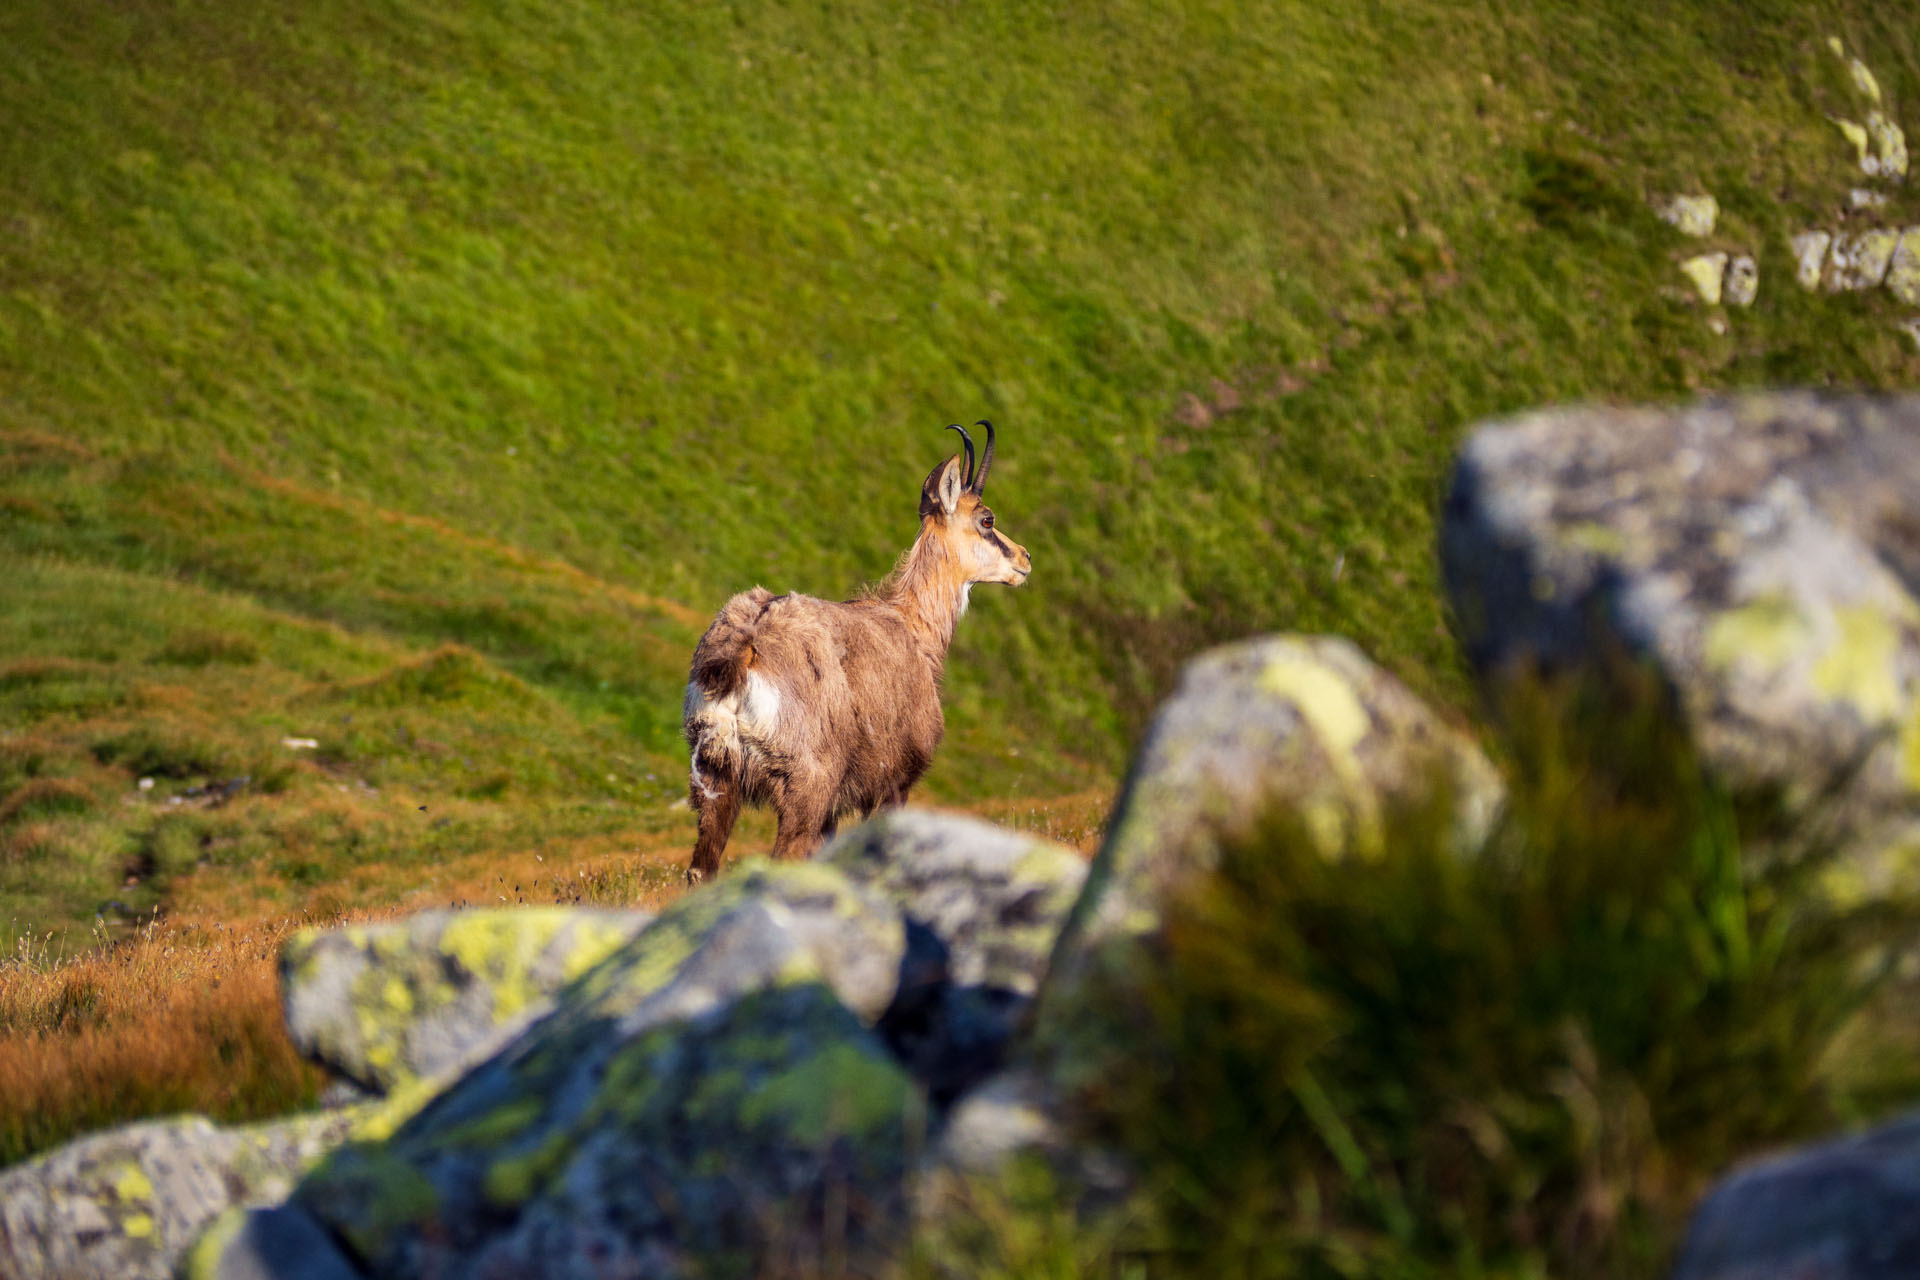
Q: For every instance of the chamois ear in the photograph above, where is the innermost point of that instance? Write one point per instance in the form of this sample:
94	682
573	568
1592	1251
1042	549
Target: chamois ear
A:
941	493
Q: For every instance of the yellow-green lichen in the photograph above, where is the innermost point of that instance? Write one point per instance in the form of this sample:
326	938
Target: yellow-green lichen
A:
1325	700
139	1226
1591	535
513	1180
378	1122
500	947
501	1124
133	1184
1861	668
1910	748
203	1259
1768	631
838	1091
591	942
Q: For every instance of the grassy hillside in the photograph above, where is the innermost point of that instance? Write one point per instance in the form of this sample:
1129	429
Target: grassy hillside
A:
417	377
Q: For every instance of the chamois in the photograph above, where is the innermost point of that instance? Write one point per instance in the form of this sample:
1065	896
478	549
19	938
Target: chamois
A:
823	709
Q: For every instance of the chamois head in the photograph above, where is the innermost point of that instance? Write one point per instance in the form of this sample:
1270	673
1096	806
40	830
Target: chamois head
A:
953	511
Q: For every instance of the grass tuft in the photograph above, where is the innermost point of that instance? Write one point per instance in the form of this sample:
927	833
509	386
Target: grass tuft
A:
1528	1062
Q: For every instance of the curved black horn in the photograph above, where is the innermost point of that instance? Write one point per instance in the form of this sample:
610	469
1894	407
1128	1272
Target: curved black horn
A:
968	475
979	483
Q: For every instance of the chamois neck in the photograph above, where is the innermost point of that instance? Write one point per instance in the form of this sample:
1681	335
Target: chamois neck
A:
929	589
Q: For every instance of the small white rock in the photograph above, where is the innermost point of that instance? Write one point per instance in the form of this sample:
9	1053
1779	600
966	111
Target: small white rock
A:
1706	272
1694	215
1743	281
146	784
1903	271
1889	145
1861	198
1809	252
300	744
1860	261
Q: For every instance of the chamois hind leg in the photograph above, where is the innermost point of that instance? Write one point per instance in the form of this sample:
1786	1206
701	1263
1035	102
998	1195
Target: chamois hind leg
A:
717	801
806	818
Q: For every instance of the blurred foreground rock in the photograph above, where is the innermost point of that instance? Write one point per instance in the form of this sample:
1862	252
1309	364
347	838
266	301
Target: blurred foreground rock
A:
1762	552
1848	1210
128	1202
1303	725
384	1004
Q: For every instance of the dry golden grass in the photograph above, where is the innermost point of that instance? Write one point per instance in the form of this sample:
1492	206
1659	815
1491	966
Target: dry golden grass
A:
184	1013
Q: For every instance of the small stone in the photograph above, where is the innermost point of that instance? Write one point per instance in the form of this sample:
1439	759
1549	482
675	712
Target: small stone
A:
1862	145
1862	198
146	784
1742	281
1693	215
1889	144
1809	252
1863	80
300	744
1859	261
1903	271
1706	271
1717	322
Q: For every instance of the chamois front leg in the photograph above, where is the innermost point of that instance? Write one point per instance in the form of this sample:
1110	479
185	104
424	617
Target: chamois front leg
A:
717	800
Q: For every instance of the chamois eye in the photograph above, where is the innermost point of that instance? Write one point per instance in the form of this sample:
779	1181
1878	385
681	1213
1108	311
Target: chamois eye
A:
986	519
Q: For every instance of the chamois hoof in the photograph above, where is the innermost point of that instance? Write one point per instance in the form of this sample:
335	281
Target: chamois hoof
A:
695	877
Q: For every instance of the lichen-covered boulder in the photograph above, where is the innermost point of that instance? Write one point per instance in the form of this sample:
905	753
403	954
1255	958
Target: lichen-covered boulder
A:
1846	1210
709	1093
1302	724
127	1203
383	1004
984	907
1762	551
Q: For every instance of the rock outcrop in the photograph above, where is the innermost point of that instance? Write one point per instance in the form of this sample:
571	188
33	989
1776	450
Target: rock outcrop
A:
387	1004
1761	552
1307	725
127	1203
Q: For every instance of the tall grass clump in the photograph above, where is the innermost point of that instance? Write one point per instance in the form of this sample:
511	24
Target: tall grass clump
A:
1525	1062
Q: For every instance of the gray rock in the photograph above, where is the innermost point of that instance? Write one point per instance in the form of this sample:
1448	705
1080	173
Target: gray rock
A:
1810	256
995	898
1306	724
707	1097
1860	260
1761	550
984	907
128	1202
1847	1210
1743	281
389	1003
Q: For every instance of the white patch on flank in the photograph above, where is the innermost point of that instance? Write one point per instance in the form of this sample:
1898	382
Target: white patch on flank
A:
760	705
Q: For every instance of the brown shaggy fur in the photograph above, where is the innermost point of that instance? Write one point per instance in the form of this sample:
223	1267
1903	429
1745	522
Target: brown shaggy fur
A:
823	709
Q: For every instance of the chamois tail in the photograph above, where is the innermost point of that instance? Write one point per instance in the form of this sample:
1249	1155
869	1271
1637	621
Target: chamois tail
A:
725	652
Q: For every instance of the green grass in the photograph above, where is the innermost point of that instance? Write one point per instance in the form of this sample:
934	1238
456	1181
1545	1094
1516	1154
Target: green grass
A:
330	339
